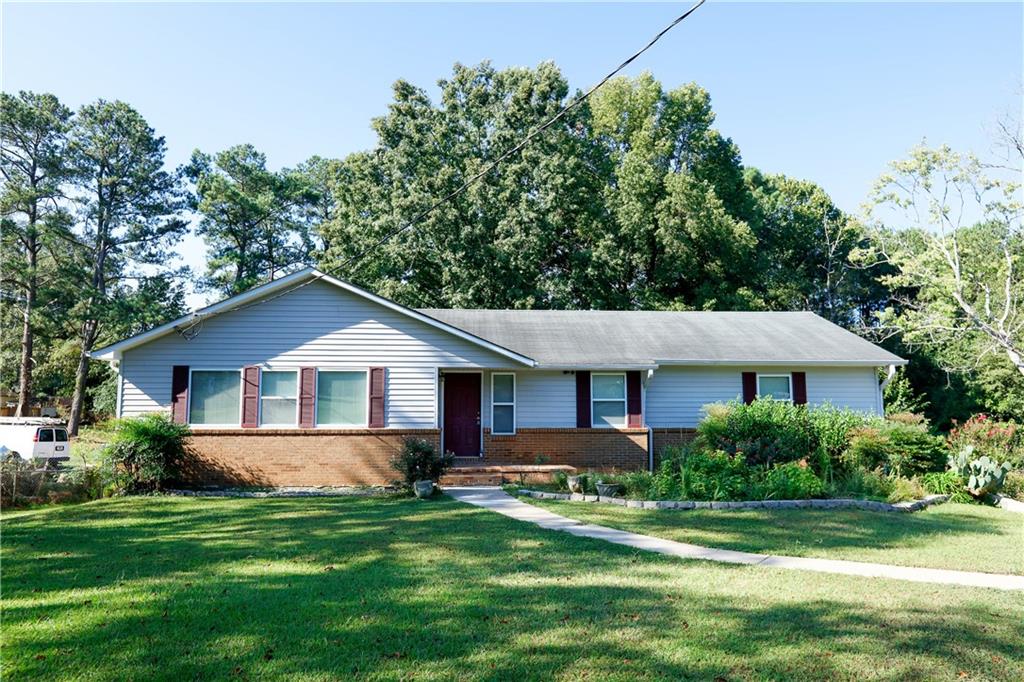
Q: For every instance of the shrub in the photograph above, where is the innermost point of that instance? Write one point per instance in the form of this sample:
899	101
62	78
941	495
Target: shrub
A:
87	482
790	481
560	480
637	485
905	489
868	449
946	483
903	450
1003	441
1013	486
832	428
864	483
908	419
146	452
710	474
419	460
912	450
763	432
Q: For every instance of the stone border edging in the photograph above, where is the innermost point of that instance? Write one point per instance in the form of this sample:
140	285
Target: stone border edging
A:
843	503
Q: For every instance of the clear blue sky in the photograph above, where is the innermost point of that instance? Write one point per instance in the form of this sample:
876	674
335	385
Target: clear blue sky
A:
826	92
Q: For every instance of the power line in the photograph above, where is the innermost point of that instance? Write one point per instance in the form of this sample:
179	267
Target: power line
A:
474	178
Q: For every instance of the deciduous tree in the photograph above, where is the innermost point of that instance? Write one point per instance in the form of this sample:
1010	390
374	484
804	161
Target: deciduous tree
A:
957	247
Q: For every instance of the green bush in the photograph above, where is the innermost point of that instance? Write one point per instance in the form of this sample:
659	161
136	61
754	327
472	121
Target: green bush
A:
419	460
88	482
764	432
865	483
560	480
947	483
789	481
146	452
868	449
1013	486
637	485
905	490
902	449
913	451
709	475
832	428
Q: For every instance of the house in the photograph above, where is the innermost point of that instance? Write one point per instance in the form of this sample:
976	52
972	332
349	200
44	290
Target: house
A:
309	380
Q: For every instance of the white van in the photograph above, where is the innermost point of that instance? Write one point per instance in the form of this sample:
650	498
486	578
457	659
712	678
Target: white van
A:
34	438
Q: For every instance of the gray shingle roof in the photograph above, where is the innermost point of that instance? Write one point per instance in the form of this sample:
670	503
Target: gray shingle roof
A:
595	338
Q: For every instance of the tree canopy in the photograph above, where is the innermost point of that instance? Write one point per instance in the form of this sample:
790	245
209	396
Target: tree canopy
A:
632	200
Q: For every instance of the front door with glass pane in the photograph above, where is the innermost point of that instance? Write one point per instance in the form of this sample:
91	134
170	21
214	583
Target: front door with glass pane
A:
462	414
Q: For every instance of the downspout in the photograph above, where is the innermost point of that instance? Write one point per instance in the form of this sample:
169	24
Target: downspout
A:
881	388
650	431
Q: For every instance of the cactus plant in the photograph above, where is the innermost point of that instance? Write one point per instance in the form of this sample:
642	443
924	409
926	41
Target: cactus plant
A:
983	475
987	477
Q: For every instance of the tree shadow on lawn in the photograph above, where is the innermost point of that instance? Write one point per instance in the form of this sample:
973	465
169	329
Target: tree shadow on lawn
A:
171	588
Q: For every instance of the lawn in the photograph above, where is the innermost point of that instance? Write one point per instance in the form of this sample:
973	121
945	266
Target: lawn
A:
184	588
962	537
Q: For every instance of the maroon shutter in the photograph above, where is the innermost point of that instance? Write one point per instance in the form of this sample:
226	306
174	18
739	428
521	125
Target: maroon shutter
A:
799	388
250	397
179	394
377	381
307	397
633	402
583	400
749	387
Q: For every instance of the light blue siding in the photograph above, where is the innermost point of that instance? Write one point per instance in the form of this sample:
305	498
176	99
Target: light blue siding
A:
316	325
544	399
675	395
323	326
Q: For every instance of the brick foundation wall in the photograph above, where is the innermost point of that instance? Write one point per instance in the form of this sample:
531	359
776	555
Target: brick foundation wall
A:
624	449
664	438
297	457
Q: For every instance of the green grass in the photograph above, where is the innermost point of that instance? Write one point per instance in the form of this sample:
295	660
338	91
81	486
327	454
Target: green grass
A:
956	536
316	589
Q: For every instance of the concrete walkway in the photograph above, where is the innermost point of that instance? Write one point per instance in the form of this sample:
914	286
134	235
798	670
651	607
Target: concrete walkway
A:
501	502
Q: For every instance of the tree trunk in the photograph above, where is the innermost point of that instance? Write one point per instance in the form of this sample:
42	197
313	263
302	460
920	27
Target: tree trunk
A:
27	333
81	375
25	377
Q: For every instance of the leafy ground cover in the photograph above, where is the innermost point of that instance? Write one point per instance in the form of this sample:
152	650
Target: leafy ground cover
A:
394	588
962	537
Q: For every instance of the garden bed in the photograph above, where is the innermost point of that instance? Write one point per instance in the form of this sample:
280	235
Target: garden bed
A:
869	505
332	491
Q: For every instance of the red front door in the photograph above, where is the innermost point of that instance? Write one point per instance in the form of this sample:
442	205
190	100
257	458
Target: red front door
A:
462	414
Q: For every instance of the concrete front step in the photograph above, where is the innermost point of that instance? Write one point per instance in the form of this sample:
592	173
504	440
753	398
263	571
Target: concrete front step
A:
497	474
471	479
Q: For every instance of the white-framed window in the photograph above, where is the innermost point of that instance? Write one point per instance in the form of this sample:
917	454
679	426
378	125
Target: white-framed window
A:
777	386
341	397
608	399
215	397
503	403
279	397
